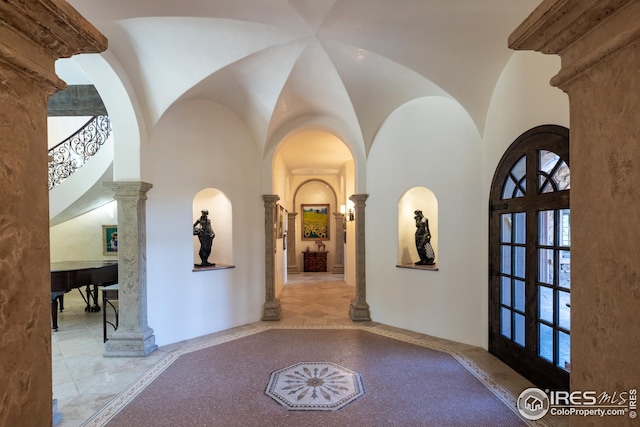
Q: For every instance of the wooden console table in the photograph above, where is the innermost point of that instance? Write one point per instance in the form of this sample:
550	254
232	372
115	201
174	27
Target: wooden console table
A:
315	261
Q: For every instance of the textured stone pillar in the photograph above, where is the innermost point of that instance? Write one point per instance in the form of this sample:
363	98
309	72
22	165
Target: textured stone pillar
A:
359	307
338	260
292	260
599	43
33	35
271	310
133	337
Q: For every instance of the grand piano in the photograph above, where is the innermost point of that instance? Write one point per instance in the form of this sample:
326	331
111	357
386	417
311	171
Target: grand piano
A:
68	275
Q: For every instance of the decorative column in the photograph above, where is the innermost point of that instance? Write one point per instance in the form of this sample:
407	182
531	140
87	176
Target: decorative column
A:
599	43
338	261
292	260
271	310
133	337
33	35
359	307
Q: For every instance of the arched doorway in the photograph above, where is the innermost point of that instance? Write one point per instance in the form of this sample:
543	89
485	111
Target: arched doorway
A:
529	256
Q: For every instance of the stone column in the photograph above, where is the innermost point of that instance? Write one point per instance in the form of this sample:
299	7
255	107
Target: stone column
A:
359	307
33	35
271	310
292	254
133	337
599	43
338	260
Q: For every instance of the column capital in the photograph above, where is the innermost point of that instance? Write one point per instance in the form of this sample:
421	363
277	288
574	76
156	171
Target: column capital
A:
36	33
579	31
359	198
270	199
129	188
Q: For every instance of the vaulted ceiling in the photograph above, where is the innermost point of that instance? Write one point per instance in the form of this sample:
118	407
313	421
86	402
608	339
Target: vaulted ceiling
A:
275	62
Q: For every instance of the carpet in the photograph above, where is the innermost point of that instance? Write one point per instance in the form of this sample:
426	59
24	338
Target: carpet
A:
224	385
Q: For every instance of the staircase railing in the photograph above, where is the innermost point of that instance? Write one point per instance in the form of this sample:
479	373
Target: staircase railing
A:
72	153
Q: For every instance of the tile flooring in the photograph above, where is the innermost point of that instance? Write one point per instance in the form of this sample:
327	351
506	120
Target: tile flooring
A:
84	381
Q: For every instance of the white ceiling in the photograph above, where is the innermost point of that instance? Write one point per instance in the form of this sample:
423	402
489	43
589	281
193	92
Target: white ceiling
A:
274	62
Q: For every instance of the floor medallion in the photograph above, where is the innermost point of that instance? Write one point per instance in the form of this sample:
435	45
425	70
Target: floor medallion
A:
315	386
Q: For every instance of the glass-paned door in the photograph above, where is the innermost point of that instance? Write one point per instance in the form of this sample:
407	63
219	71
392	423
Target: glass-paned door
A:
530	258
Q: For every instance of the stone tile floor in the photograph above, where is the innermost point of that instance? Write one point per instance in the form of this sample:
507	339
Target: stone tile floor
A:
84	381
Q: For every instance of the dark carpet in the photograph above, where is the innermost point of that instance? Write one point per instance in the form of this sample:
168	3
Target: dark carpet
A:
406	385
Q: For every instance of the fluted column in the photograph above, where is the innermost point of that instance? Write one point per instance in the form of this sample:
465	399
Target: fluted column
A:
359	307
599	43
271	310
33	35
338	260
133	337
292	260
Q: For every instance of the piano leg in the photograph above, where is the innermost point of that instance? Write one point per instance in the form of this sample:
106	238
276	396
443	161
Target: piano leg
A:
55	297
91	295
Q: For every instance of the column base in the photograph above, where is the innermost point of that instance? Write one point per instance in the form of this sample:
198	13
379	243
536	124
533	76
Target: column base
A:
272	310
359	312
338	269
130	344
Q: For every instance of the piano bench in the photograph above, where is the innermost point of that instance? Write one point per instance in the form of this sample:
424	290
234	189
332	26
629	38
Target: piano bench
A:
109	294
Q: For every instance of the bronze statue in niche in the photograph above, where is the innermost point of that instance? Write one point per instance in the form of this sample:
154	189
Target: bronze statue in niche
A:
423	240
203	229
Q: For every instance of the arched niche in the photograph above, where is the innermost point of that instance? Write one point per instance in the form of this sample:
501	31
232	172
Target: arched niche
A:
423	199
221	216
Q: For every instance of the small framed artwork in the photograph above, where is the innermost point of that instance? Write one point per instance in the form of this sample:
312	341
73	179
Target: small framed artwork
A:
280	223
110	240
315	222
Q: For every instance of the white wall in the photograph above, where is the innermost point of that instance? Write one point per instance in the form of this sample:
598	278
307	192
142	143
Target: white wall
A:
433	143
80	239
522	99
198	144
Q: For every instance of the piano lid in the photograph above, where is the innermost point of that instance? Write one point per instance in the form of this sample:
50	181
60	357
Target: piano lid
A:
80	265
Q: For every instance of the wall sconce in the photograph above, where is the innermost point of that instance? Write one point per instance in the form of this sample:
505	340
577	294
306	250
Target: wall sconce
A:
351	215
348	215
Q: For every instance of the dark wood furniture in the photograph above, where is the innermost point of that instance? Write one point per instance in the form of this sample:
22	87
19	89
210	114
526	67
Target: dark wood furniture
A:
69	275
315	261
109	295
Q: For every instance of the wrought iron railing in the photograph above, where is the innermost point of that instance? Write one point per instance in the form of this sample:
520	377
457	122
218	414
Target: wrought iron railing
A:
72	153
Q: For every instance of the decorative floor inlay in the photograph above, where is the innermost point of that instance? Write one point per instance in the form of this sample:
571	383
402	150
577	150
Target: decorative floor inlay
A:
315	386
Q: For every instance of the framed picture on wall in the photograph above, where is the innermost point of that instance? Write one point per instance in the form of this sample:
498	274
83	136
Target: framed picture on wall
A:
280	223
315	222
110	240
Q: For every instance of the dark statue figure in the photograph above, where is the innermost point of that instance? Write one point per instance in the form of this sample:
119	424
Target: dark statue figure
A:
202	228
423	240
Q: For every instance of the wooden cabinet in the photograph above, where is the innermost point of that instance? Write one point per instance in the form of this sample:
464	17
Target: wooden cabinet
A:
315	261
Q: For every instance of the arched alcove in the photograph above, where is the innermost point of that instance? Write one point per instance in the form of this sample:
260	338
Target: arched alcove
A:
422	199
220	214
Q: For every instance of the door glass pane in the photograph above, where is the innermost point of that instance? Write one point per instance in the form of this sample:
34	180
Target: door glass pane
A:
545	342
545	228
518	335
505	322
565	269
505	228
562	177
505	259
564	310
508	187
545	266
505	291
565	227
518	295
519	261
519	225
545	303
564	349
